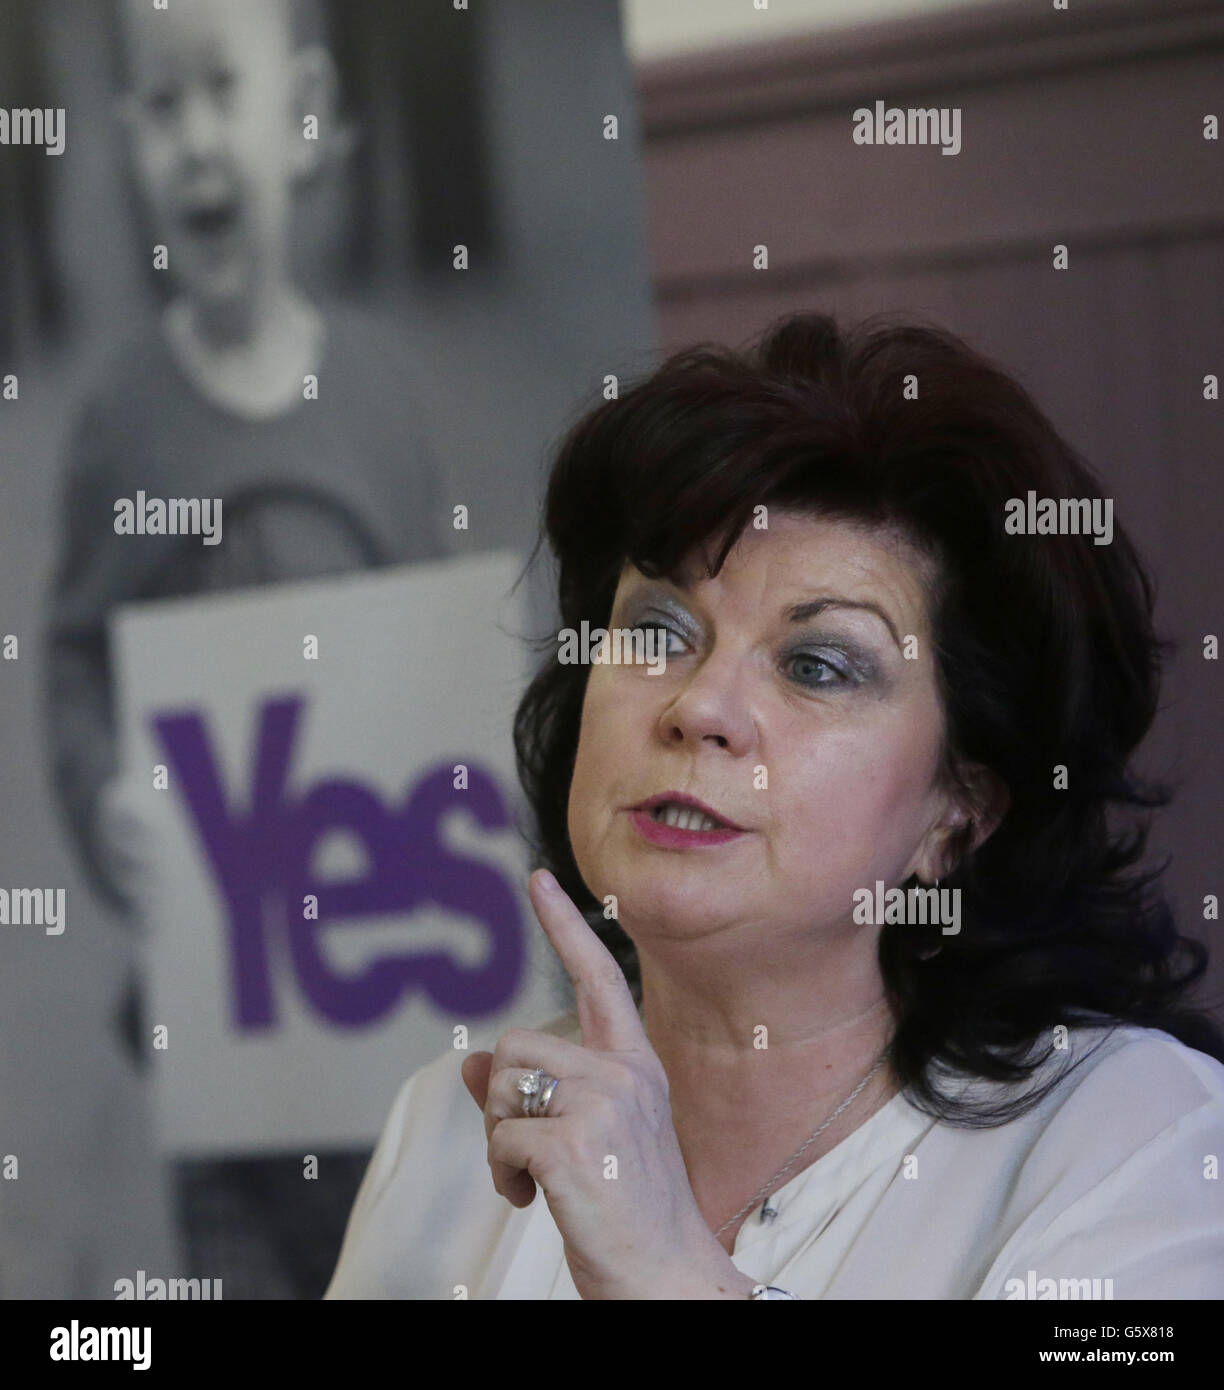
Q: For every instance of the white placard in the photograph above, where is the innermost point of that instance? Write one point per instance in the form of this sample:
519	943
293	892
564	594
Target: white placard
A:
300	783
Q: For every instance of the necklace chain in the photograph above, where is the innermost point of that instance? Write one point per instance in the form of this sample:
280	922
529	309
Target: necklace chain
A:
769	1185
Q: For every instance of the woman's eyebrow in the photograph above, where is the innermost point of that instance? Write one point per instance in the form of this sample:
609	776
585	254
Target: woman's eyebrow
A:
809	609
800	612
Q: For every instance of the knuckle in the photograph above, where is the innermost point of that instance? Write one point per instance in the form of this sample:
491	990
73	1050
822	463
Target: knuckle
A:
610	975
602	977
512	1042
605	1107
569	1153
622	1081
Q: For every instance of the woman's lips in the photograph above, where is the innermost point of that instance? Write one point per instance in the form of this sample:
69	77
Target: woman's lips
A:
684	800
673	837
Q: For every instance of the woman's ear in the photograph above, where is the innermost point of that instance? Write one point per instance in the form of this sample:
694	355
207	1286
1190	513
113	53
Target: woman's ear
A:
990	802
977	807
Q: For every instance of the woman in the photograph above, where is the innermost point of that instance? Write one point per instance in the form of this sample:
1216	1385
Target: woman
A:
790	1074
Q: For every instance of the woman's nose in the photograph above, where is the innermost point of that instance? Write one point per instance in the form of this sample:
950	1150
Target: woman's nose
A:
712	708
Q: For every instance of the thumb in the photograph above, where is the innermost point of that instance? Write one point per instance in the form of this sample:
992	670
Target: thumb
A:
475	1072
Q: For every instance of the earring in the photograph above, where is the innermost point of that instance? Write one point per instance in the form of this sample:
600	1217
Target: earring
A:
931	951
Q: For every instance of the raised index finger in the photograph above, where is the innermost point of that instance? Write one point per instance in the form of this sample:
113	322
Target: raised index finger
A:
607	1014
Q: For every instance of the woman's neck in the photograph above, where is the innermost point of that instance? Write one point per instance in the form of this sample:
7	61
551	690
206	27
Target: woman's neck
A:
749	1085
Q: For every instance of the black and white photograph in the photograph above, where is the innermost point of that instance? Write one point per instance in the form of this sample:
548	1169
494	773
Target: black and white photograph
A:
610	667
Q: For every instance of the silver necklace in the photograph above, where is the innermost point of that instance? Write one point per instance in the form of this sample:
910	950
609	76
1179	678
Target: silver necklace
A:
769	1185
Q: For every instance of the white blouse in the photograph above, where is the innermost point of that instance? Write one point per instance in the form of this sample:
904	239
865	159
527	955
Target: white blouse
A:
1110	1188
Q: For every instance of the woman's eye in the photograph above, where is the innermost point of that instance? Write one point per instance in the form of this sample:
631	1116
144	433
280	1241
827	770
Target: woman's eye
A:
665	632
811	663
805	665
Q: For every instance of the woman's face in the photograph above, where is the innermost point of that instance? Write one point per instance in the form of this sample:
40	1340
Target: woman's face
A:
814	732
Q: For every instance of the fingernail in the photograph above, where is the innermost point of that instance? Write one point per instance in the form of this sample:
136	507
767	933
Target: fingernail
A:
547	882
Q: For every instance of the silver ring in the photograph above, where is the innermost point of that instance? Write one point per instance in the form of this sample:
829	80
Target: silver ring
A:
541	1106
529	1086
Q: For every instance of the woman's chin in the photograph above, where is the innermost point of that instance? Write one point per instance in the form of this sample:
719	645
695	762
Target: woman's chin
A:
662	916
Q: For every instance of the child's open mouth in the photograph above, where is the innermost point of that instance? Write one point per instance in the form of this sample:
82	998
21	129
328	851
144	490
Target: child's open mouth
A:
211	220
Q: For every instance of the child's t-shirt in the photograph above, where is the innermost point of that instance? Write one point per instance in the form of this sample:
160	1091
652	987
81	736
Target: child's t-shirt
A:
345	481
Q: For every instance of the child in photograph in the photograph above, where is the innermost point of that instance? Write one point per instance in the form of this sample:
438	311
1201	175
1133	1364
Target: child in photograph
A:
302	417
